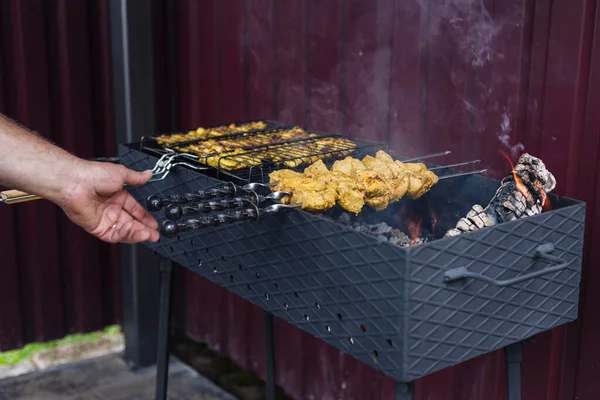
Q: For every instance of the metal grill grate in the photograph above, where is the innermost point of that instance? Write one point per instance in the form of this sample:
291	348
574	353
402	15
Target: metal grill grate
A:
251	156
256	164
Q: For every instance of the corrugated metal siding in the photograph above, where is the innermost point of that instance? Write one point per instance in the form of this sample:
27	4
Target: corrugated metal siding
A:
424	75
54	79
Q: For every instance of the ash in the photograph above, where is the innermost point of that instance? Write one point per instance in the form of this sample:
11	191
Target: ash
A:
381	230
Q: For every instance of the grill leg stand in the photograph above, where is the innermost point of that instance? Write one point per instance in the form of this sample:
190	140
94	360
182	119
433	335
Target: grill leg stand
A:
269	356
514	357
404	391
162	365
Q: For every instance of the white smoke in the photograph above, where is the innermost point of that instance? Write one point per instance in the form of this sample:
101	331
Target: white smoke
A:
504	136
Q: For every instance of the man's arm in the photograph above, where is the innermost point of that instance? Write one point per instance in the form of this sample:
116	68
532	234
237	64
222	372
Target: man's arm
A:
90	193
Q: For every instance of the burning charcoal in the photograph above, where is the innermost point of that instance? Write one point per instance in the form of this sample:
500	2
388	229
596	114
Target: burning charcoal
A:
397	233
476	219
344	218
511	204
380	229
382	239
521	194
465	225
531	212
453	232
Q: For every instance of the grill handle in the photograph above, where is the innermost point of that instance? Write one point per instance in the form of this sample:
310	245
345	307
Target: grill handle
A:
16	196
541	252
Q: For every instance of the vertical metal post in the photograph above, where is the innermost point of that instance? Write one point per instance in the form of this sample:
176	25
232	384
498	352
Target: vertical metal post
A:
404	391
514	358
269	356
162	365
133	94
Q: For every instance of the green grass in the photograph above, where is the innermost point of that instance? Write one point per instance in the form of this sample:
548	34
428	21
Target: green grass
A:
13	357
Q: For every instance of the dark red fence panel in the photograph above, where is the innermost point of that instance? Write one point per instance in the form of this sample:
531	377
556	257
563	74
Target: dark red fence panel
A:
56	279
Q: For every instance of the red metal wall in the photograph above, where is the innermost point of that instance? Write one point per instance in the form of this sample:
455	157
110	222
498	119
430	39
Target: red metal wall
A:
55	79
463	75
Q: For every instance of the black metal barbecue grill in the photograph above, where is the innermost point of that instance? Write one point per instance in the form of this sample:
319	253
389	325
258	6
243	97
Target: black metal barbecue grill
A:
405	310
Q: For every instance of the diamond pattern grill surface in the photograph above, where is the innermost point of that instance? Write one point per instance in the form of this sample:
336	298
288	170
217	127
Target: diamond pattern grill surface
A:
384	305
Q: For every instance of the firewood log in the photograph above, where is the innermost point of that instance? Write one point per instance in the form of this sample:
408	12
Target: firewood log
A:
522	193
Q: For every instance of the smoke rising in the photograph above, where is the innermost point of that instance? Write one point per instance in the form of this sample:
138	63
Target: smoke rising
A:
504	136
338	76
478	36
470	22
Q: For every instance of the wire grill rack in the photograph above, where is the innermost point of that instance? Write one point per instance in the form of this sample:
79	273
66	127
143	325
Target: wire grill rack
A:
256	164
235	129
251	156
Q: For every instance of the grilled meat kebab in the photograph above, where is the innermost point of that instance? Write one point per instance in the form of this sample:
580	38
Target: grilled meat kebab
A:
205	133
352	183
295	146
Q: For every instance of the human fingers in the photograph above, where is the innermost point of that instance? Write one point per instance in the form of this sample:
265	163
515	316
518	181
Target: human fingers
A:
138	212
133	231
135	178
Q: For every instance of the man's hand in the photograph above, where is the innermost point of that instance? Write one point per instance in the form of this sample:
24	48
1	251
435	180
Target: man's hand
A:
98	203
90	193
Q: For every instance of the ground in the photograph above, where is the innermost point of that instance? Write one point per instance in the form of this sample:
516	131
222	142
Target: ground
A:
90	366
107	378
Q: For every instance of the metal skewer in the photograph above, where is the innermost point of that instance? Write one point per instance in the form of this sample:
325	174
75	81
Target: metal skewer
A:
176	211
155	203
16	196
462	174
455	165
444	153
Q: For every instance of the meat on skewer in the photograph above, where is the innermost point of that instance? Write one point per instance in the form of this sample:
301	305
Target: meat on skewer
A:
353	183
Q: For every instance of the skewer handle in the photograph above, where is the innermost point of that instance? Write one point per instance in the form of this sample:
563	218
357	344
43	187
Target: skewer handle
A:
156	203
16	196
171	229
176	211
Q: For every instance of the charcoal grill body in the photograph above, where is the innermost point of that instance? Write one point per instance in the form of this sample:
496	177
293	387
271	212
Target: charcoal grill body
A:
385	305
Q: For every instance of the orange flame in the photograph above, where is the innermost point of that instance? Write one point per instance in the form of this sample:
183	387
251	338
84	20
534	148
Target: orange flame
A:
414	230
520	185
546	206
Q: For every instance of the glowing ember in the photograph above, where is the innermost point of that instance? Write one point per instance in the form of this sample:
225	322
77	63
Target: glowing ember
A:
520	185
546	206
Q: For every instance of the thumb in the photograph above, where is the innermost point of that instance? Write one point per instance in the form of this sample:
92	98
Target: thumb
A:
135	178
